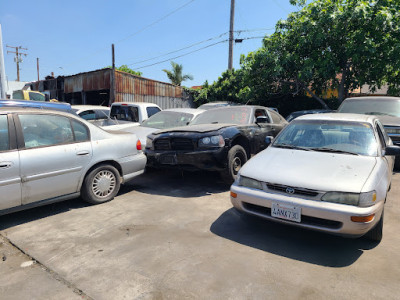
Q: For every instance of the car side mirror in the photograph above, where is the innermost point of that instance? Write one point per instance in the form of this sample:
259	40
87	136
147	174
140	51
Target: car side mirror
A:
268	140
261	119
392	150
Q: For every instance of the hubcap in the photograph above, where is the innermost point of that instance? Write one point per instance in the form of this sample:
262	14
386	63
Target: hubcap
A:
237	164
103	183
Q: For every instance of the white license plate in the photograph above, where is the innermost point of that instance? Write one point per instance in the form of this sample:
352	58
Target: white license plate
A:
287	212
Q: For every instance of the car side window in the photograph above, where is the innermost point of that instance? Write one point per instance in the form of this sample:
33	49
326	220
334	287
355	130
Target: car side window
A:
261	113
45	130
275	117
386	137
4	139
80	131
88	115
152	110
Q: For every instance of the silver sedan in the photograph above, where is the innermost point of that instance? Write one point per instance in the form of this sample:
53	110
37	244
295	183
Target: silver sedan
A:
48	156
326	172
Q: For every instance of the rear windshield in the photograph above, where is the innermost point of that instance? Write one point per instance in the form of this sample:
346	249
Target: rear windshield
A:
371	107
231	115
125	113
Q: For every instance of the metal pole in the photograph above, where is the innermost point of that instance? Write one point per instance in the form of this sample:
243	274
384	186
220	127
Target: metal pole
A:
112	87
37	65
2	70
231	35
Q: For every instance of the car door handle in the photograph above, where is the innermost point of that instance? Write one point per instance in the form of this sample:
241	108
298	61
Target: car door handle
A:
82	153
5	165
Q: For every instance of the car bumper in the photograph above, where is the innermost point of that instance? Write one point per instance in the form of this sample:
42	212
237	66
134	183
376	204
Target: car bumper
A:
132	166
213	159
316	215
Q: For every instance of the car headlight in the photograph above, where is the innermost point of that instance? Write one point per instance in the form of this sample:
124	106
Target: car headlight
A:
149	143
212	141
250	183
362	199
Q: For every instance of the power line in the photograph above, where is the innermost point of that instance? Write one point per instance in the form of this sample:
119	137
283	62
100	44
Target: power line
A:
135	33
185	54
184	48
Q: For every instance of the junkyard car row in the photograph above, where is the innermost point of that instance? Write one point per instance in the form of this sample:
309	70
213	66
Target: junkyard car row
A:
326	172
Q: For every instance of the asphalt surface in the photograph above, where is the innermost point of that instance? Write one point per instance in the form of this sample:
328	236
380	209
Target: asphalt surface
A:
172	235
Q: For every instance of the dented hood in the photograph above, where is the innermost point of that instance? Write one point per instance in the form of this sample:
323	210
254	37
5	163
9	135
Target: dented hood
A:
320	171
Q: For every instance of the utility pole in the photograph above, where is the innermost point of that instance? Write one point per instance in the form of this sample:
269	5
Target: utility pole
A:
231	35
3	88
112	88
18	55
37	66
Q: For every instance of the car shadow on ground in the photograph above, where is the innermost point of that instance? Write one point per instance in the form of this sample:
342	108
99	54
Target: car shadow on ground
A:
28	215
176	183
291	242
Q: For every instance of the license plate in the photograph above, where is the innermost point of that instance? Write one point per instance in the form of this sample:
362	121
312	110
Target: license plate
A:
286	212
168	159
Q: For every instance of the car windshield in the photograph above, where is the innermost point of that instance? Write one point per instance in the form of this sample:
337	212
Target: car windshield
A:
231	115
371	107
167	119
355	138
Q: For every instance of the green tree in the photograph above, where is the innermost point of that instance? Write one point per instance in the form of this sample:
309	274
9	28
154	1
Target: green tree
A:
175	75
126	69
338	44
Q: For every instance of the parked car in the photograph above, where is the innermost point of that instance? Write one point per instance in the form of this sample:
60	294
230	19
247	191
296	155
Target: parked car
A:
299	113
326	172
61	106
48	156
168	118
221	139
386	108
92	113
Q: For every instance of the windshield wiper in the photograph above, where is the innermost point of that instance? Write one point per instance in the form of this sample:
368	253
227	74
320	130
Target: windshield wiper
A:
288	146
323	149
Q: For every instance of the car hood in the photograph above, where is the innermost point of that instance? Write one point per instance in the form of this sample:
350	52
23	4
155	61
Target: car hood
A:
201	128
389	120
320	171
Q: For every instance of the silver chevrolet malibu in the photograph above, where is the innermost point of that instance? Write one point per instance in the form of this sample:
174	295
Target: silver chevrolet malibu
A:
326	172
48	156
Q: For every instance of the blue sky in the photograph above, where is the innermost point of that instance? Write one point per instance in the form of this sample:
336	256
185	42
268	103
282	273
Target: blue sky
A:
72	36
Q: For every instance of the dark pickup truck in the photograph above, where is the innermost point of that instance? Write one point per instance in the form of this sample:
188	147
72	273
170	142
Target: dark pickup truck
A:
220	139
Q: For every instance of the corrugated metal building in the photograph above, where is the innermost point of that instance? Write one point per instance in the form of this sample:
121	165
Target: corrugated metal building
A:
97	88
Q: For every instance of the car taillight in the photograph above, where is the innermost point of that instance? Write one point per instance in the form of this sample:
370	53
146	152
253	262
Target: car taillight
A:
138	145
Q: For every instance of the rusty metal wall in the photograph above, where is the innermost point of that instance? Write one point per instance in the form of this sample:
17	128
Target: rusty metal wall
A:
89	81
161	101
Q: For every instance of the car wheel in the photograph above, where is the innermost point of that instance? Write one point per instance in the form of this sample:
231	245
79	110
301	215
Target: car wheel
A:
375	234
101	184
237	157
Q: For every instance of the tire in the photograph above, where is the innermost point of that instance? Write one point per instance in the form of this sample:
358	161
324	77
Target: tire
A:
237	157
101	184
375	234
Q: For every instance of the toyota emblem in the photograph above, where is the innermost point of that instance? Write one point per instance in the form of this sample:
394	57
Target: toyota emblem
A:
290	190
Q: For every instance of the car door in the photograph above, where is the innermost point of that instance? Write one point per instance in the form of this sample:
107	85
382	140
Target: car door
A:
10	180
53	155
262	130
385	141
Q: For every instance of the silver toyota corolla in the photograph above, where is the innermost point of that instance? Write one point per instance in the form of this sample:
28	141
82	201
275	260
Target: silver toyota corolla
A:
48	156
327	172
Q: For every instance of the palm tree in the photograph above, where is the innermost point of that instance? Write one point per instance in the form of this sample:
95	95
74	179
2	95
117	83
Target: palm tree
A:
175	75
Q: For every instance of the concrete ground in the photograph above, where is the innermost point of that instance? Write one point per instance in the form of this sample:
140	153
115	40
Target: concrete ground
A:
169	235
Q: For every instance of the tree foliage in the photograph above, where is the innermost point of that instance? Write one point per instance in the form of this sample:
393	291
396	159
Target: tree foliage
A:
338	44
175	75
126	69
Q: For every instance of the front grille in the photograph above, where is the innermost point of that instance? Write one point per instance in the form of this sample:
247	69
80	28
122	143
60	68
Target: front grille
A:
173	144
306	220
296	191
162	144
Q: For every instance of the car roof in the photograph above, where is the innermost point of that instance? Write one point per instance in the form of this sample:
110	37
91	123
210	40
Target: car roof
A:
10	109
36	104
379	98
143	104
339	117
83	107
193	111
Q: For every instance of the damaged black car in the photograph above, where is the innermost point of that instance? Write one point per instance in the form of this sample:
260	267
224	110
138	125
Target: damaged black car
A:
221	139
